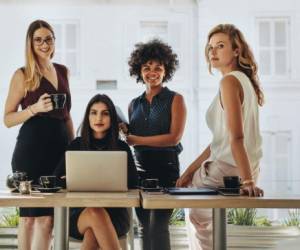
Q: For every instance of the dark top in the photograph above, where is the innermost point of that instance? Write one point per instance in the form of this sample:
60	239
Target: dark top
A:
147	119
46	87
119	216
101	145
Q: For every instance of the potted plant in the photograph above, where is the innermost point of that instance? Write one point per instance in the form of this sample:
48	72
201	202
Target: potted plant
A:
293	219
178	233
246	230
8	229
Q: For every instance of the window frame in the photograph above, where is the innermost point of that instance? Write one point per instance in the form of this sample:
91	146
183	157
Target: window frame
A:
269	162
273	76
64	50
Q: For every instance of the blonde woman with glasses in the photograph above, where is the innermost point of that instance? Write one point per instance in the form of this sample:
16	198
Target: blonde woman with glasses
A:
233	119
45	131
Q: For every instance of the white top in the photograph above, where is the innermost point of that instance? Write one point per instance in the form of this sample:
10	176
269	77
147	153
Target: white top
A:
215	118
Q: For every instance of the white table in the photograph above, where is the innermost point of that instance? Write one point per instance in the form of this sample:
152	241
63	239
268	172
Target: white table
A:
219	204
61	201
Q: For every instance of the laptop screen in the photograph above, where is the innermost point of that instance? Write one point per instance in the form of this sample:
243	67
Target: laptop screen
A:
96	170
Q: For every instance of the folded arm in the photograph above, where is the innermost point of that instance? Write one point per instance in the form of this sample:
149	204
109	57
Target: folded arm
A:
178	119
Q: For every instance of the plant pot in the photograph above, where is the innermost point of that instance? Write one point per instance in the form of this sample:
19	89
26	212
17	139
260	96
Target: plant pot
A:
8	237
258	237
179	237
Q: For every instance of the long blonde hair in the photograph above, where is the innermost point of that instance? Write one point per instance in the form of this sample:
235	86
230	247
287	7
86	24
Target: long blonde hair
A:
246	62
32	72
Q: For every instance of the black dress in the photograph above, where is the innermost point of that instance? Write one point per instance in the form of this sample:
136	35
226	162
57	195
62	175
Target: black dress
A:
119	216
43	138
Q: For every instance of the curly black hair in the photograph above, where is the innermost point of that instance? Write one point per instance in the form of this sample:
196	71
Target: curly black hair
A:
153	50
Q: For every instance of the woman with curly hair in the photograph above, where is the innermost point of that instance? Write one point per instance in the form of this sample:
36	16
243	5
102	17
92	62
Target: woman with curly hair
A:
156	123
233	119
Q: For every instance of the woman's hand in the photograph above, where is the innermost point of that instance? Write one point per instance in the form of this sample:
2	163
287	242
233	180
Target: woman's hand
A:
123	131
123	128
252	190
131	140
184	180
44	104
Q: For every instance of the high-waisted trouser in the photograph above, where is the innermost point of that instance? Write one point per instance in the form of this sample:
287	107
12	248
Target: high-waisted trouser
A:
210	174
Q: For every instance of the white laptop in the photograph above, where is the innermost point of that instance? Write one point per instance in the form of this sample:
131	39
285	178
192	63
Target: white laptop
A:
96	171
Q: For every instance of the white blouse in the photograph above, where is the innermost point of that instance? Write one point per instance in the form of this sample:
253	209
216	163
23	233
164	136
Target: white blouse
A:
215	117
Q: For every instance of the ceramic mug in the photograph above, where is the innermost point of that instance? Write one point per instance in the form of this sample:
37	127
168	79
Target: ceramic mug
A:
48	181
58	100
150	183
232	181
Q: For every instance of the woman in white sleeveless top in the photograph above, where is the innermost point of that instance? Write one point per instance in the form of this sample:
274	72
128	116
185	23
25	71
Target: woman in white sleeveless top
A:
234	122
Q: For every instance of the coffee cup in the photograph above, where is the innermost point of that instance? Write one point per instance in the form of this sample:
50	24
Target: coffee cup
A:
232	181
150	183
58	100
48	181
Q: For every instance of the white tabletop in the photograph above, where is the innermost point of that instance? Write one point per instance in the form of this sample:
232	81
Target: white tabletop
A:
71	199
219	201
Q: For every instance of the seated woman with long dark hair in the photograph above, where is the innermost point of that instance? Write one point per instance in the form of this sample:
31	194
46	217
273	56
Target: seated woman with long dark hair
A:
100	227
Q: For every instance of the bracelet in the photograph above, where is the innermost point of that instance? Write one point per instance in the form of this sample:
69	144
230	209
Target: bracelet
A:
249	181
30	111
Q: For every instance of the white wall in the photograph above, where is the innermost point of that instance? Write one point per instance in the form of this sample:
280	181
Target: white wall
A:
108	31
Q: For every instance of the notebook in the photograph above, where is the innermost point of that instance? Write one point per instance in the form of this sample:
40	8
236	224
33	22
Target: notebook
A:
96	171
190	191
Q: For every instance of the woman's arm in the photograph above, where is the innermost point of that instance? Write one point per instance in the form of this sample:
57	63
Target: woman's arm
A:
132	176
186	178
232	98
12	116
178	114
15	94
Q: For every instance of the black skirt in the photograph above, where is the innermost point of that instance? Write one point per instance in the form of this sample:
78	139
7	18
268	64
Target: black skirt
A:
40	145
119	218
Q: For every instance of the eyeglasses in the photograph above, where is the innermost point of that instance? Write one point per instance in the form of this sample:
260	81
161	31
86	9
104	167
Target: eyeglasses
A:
40	41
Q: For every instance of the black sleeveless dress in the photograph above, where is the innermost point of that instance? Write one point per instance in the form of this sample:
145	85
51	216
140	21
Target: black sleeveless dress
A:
43	138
